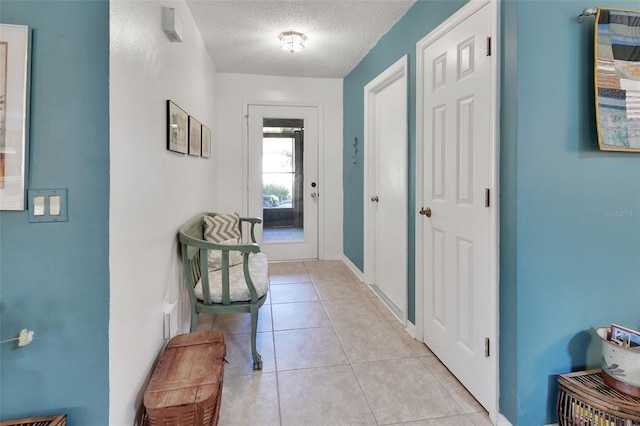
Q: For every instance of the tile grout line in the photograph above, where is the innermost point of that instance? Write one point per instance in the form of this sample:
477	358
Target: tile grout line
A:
275	357
350	362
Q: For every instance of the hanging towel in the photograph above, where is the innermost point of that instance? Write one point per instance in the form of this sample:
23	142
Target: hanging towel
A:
617	79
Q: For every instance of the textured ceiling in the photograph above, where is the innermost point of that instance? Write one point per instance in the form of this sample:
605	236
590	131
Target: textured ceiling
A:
242	35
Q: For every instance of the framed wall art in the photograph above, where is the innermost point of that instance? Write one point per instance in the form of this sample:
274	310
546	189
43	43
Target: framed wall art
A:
206	142
15	51
617	79
195	137
177	128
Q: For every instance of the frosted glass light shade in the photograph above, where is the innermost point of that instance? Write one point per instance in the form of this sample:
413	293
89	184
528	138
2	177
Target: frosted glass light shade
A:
292	41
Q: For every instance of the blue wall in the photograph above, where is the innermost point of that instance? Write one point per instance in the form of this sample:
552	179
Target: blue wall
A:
401	40
54	277
577	266
508	400
567	265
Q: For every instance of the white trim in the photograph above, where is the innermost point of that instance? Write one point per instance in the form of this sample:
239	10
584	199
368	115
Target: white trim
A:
411	329
462	14
353	268
397	71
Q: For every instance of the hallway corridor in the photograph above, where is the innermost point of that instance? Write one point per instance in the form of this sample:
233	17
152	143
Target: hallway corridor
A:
333	355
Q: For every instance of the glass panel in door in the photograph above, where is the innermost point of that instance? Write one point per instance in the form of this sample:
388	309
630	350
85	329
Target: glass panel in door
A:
282	180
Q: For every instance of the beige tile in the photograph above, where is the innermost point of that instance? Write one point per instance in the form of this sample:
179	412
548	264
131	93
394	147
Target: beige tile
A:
373	342
349	314
315	341
250	400
330	274
367	290
288	293
403	390
458	392
290	278
308	347
480	419
336	281
441	421
315	265
288	273
241	323
286	267
287	316
239	358
418	348
205	322
322	396
339	290
384	310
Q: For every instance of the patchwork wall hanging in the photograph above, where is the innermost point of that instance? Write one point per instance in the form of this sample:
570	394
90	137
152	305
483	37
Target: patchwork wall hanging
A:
617	79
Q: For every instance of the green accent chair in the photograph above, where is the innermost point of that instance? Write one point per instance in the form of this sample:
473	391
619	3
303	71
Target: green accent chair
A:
231	289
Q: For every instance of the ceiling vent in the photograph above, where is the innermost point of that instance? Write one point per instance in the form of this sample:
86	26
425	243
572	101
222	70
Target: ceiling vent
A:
171	25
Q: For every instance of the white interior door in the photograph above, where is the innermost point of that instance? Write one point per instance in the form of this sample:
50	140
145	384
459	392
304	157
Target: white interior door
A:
386	186
460	303
283	187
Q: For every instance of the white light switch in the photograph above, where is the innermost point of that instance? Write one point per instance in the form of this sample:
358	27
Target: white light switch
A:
38	205
54	205
48	205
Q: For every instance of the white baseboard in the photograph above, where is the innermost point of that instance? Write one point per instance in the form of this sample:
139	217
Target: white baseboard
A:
411	329
358	273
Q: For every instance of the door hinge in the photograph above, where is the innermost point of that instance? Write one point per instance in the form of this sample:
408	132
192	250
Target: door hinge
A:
486	347
488	46
487	197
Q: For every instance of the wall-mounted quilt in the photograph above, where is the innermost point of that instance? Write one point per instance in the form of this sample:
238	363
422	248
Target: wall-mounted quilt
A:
617	79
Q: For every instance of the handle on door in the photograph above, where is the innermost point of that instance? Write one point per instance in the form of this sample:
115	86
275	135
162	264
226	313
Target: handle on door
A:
314	195
425	212
375	199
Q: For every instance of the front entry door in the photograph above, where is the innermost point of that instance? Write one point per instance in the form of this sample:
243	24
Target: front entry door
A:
459	295
283	179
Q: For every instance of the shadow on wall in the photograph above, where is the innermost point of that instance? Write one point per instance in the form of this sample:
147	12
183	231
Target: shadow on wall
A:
585	354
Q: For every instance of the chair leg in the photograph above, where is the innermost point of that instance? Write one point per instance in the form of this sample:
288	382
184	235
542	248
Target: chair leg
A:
194	320
257	359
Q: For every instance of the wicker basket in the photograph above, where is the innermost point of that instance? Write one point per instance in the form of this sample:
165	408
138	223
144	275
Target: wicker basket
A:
584	399
186	385
59	420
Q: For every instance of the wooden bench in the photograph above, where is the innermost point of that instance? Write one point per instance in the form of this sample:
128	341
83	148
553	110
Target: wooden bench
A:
226	288
186	385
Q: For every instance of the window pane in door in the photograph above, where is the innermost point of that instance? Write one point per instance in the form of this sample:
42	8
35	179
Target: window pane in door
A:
282	183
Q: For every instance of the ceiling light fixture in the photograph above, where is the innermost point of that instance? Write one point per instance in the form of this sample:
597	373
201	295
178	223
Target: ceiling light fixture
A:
292	41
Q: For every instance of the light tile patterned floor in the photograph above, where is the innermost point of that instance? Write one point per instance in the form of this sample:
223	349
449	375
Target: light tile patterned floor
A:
333	355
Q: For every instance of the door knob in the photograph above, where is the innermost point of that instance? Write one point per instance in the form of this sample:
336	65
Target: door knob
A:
426	212
314	195
375	199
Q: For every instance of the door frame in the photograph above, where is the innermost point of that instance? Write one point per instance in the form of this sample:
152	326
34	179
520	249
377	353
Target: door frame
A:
319	154
398	70
494	214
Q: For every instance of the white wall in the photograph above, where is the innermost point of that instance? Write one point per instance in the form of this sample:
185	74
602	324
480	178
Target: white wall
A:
234	91
153	191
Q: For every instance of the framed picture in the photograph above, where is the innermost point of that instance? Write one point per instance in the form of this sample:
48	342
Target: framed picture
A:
177	128
195	137
15	51
206	141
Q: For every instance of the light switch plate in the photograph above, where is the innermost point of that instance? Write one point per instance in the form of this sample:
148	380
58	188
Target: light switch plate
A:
38	205
54	208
